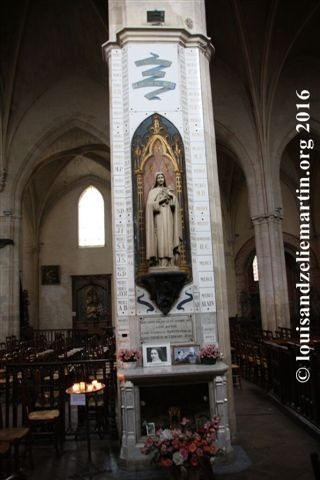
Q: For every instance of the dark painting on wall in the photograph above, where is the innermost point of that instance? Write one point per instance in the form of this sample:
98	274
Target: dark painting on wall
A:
91	301
50	274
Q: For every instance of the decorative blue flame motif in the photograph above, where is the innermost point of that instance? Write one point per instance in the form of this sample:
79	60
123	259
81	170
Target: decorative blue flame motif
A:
154	74
180	305
147	304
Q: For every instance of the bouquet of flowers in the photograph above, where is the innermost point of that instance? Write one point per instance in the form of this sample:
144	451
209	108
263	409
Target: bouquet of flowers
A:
185	447
209	352
127	355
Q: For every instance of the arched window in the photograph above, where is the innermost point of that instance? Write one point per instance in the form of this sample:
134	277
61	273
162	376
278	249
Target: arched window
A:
255	270
91	218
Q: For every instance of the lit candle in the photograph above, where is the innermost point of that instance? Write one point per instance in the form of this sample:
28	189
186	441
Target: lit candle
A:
98	385
94	384
82	386
76	388
89	387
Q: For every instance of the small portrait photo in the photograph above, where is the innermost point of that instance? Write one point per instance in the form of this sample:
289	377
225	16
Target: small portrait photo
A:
184	354
50	274
150	428
156	355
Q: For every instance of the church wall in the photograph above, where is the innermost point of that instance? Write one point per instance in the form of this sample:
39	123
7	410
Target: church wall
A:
59	246
241	218
29	266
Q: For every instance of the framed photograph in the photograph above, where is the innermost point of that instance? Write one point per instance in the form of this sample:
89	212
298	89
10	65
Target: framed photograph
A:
150	428
156	355
50	275
186	354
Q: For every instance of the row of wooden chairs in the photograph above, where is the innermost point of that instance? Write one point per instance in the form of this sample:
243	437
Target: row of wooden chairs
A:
35	403
59	349
252	359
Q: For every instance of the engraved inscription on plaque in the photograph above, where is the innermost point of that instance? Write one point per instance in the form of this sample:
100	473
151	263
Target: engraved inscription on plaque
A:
174	329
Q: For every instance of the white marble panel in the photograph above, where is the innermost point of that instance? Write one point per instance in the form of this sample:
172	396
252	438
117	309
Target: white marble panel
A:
176	329
204	263
122	306
207	299
204	245
199	171
142	86
206	279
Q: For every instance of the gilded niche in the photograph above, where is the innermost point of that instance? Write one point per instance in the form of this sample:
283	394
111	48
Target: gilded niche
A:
162	247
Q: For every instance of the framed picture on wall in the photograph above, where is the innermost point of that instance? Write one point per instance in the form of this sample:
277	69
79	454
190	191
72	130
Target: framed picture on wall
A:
156	355
186	354
50	274
150	429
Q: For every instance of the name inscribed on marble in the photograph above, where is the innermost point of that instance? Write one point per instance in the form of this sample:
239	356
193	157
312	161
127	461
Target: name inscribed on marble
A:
174	329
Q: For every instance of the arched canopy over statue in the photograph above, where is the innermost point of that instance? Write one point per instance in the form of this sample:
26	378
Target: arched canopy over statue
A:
163	225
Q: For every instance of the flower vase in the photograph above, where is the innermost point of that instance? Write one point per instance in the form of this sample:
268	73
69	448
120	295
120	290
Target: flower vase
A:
208	361
129	364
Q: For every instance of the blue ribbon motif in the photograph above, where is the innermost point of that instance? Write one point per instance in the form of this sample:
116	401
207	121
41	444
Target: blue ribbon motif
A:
154	74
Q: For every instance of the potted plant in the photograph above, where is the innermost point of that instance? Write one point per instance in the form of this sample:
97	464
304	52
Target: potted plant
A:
209	353
187	451
129	357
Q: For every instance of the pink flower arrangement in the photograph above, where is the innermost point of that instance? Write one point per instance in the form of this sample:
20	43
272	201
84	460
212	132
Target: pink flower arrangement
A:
185	447
127	355
209	351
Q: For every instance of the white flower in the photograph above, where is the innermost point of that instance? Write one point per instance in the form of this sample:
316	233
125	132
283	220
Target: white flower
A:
177	458
166	435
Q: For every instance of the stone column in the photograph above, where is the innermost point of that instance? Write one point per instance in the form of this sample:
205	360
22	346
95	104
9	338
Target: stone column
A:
272	271
128	415
159	73
9	274
219	386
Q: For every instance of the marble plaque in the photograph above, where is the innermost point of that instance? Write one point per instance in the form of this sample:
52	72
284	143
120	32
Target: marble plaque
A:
175	329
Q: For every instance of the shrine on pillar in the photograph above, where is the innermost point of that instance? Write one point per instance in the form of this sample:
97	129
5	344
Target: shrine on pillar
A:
169	283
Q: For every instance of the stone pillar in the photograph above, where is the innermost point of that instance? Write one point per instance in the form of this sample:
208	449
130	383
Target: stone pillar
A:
272	271
221	404
162	120
128	415
9	274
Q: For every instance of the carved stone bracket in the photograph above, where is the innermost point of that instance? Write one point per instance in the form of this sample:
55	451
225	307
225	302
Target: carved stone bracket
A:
164	288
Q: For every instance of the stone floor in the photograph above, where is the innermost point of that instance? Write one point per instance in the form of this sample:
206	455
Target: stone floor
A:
270	445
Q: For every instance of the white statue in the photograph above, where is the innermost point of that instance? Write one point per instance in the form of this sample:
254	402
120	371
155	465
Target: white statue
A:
163	224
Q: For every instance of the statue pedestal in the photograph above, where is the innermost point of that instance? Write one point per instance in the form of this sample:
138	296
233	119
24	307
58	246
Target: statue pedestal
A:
164	285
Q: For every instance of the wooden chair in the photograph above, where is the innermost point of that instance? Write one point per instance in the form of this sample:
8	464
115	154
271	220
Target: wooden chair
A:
4	457
14	437
41	396
236	375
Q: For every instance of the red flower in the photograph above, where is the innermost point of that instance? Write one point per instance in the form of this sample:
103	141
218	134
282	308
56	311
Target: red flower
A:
192	447
166	462
194	461
199	452
184	453
185	446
